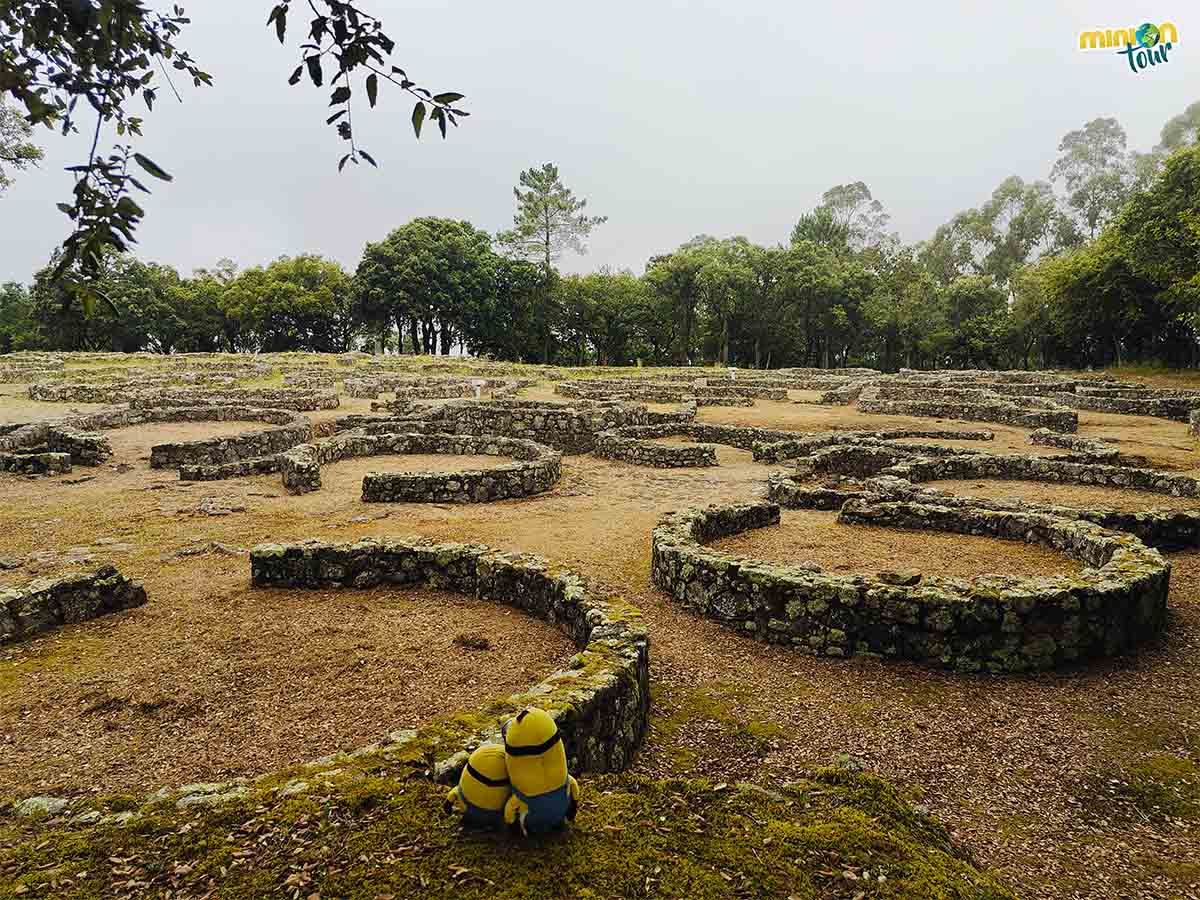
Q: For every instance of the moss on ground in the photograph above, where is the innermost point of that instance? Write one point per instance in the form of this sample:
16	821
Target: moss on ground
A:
678	710
380	835
1155	787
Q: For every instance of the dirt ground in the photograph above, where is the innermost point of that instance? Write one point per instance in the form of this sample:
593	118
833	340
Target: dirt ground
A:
811	536
1028	772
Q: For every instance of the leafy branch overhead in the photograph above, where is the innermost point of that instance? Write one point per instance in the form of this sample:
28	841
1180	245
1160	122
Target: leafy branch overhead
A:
346	40
113	54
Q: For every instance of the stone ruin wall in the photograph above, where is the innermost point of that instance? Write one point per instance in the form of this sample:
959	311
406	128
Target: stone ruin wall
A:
990	623
537	469
600	701
49	603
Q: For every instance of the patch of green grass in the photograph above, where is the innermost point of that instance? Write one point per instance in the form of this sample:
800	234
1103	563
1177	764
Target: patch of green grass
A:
1154	787
384	834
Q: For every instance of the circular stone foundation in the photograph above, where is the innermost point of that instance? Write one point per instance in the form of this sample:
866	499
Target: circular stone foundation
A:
993	623
536	468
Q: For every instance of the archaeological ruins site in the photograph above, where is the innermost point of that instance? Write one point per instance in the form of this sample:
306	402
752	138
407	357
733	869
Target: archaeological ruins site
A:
236	582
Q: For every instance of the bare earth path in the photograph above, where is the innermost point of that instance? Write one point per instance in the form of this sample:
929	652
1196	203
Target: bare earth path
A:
1036	775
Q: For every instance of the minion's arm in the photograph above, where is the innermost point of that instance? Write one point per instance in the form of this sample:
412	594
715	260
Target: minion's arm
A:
573	793
515	811
455	801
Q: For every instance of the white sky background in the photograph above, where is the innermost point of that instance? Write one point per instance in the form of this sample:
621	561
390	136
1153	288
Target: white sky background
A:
671	118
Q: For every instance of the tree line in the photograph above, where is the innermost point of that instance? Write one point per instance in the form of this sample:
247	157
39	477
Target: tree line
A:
1099	264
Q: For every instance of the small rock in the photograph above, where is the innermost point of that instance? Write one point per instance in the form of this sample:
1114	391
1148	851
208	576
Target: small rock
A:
91	817
10	562
42	806
295	786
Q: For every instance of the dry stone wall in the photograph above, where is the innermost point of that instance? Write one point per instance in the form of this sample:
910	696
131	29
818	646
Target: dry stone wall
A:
290	429
46	604
991	623
998	409
538	468
773	449
1099	450
1161	528
641	450
600	701
44	463
569	427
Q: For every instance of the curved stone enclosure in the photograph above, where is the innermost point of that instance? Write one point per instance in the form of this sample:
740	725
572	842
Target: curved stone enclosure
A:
537	469
600	701
48	603
990	623
777	447
636	445
930	462
569	427
289	429
1160	528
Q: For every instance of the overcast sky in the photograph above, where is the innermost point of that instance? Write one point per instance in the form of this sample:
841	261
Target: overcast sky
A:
671	118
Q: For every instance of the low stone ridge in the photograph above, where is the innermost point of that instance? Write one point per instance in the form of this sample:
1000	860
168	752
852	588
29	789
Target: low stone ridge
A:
845	394
999	410
312	380
289	430
990	623
260	465
46	604
600	701
1194	422
643	451
929	462
57	437
1100	450
569	427
538	468
634	389
1160	527
685	413
780	446
293	399
1175	408
35	463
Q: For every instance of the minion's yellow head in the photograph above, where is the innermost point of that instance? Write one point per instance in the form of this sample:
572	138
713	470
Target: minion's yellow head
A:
537	761
484	781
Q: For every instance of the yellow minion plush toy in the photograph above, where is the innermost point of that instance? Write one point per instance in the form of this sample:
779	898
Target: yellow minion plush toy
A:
543	794
483	788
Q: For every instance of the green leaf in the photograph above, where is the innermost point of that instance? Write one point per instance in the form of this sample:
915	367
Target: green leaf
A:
337	115
127	206
440	115
279	16
372	88
341	95
447	98
367	156
342	162
418	117
152	167
295	78
314	69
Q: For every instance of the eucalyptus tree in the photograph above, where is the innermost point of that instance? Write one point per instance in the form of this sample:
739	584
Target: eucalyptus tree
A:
1095	170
